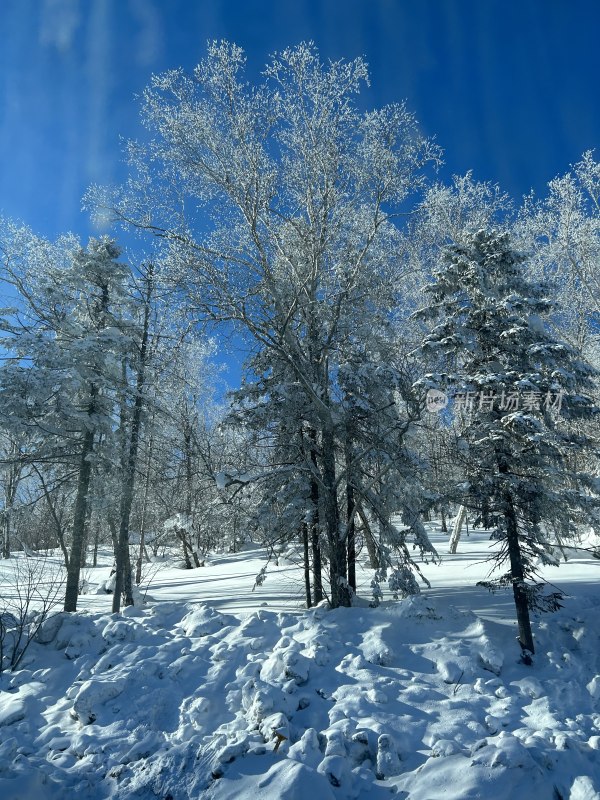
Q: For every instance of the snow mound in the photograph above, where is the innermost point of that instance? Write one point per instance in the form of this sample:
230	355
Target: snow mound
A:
413	698
285	780
205	621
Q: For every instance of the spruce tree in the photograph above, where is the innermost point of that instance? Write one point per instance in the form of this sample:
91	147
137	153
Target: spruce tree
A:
525	398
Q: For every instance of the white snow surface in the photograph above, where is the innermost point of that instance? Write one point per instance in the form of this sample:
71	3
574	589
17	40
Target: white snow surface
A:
204	692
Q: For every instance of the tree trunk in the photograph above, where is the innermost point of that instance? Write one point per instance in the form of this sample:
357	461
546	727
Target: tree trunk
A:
186	557
193	551
6	534
351	551
123	581
114	536
83	485
10	495
517	576
96	543
317	564
195	556
340	591
142	550
6	519
189	481
369	539
83	482
86	533
306	551
13	479
51	507
444	526
350	524
457	528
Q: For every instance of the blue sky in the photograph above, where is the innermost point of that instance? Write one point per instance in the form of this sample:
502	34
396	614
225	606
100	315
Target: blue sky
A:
510	89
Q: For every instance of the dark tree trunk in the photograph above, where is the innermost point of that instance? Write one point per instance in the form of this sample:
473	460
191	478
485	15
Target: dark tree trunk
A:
195	557
351	546
83	481
189	494
142	550
9	498
351	537
317	563
188	541
315	542
6	534
123	581
305	547
96	543
114	537
350	515
518	577
340	591
86	534
10	495
184	546
369	539
83	485
444	526
485	516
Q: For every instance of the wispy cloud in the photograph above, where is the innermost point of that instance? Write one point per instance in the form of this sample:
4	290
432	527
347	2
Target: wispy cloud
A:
59	22
149	41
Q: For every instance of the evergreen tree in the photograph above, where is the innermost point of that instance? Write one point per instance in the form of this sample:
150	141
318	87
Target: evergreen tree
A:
522	393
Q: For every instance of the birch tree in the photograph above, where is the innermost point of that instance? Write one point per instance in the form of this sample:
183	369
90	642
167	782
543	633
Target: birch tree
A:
562	233
279	205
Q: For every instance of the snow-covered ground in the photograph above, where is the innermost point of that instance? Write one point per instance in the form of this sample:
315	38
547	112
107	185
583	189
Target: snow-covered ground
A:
216	691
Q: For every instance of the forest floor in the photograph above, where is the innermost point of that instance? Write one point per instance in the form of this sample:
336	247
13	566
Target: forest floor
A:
215	690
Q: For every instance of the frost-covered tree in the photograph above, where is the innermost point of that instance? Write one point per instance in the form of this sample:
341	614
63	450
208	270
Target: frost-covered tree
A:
273	414
64	345
180	449
279	204
521	392
133	403
562	231
93	351
13	471
376	471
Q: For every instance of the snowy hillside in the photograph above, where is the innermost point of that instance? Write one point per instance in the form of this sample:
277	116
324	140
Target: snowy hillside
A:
424	698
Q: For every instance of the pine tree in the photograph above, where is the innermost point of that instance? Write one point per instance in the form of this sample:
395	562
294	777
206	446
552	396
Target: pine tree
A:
522	393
